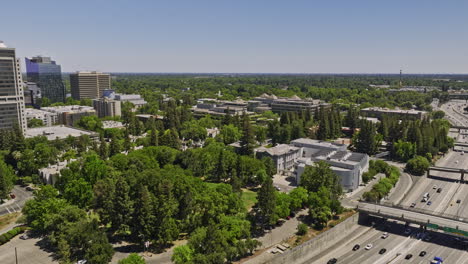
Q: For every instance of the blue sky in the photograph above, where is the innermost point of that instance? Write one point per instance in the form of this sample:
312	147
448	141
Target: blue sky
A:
327	36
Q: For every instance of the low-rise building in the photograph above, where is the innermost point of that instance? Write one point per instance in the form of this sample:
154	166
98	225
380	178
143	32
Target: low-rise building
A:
58	132
284	156
107	107
112	124
378	112
135	99
48	118
69	115
295	104
304	152
50	174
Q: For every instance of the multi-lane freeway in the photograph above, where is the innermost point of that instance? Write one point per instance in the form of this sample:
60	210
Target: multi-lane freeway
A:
448	197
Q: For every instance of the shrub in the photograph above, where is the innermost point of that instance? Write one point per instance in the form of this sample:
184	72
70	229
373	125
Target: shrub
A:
417	165
302	229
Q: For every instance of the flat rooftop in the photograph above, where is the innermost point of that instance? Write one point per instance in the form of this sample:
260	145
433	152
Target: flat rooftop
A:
55	132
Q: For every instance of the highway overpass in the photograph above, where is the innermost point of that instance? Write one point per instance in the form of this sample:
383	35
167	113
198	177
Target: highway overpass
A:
451	225
449	170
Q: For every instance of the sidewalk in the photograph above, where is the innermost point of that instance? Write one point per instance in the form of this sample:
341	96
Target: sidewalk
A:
351	199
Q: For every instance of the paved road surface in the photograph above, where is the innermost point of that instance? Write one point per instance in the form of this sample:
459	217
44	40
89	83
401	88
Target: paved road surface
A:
16	204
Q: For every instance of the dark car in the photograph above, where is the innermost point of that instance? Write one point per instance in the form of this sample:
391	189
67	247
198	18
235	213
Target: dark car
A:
458	201
332	261
408	256
356	247
422	254
383	250
439	190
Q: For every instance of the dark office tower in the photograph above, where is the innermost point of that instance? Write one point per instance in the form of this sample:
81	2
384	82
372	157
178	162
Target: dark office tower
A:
48	76
89	85
11	90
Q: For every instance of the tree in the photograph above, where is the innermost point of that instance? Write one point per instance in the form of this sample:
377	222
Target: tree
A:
182	255
260	134
404	151
229	134
133	258
7	179
320	175
121	217
79	192
302	229
143	219
366	140
438	114
418	165
91	122
115	146
247	140
266	203
34	122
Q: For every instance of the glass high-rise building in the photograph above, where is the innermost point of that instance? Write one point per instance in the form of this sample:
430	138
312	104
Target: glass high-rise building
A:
11	90
48	76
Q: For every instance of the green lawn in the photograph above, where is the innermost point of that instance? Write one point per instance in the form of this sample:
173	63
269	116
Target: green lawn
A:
249	198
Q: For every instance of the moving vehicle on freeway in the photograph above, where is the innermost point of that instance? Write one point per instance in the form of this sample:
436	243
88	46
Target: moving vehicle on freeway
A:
408	256
356	247
382	251
332	261
437	260
422	253
384	235
368	246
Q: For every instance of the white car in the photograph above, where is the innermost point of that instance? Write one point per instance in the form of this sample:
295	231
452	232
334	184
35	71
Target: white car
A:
368	246
434	187
384	235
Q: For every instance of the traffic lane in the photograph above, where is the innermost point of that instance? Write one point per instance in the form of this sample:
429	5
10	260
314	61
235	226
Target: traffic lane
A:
345	254
342	246
459	209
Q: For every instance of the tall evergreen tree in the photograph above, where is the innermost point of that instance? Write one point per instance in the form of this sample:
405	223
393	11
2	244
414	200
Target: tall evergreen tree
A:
247	141
121	217
266	202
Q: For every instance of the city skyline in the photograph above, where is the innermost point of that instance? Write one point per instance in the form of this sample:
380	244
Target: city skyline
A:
242	37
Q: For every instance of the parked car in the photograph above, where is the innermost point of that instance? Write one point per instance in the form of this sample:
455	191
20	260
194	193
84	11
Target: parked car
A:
408	256
368	246
422	253
24	237
12	196
382	251
356	247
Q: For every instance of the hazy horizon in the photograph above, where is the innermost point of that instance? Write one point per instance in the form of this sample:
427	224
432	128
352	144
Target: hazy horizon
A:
300	37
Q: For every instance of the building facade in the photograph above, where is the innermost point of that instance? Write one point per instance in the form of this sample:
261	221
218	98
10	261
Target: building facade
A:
48	118
378	112
107	107
11	90
346	164
284	156
89	85
47	74
70	115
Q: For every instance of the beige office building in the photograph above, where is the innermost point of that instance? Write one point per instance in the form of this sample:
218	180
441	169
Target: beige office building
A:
89	85
11	90
107	107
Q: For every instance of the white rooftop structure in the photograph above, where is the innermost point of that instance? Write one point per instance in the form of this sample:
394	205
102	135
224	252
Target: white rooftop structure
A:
69	109
112	124
2	45
48	118
57	132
